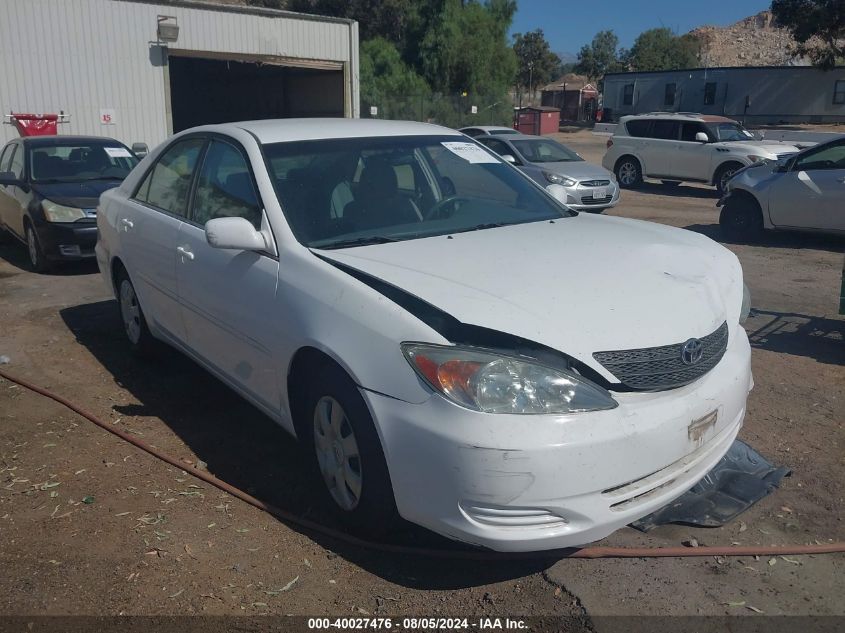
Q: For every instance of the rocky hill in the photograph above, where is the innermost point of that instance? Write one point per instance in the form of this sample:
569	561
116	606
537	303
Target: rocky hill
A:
754	41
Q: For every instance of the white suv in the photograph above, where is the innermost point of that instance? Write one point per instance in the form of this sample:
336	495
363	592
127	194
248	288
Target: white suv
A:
675	147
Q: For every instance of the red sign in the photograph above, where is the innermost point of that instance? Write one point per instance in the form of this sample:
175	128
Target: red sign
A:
36	124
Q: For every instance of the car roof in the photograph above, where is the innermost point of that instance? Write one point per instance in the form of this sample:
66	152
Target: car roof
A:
681	116
288	130
486	127
61	139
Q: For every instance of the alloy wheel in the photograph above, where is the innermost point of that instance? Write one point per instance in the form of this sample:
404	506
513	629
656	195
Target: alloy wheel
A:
627	173
130	312
337	453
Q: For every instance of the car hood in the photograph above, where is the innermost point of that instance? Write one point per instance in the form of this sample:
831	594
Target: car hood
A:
577	170
75	194
770	147
578	285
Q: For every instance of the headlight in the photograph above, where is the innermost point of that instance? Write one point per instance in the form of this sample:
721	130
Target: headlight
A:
759	159
486	381
557	179
745	310
60	213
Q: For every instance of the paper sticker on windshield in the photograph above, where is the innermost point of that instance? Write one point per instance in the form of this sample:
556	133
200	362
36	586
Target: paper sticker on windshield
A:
118	152
470	152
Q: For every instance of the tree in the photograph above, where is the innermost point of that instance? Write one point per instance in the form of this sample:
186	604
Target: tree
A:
387	82
600	56
818	27
536	63
660	49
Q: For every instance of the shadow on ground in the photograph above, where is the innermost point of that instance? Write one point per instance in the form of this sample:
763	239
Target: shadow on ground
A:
798	334
777	239
678	191
248	450
14	253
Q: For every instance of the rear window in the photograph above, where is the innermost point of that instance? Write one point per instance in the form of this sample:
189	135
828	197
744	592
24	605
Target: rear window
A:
638	127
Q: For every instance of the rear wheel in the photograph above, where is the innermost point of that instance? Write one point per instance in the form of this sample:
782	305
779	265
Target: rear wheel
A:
724	174
629	173
37	261
132	317
741	219
339	430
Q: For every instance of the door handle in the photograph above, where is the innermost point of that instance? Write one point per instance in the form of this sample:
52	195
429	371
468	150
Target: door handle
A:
185	252
126	224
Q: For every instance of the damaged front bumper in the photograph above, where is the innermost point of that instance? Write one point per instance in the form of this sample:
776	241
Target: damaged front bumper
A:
535	482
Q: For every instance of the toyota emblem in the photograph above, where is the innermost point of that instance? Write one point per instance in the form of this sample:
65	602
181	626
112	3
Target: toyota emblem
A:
692	351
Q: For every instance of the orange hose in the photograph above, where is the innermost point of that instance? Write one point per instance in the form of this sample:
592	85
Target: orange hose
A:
287	517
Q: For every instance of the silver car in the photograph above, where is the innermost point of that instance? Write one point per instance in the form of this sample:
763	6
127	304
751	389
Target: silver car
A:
804	192
588	187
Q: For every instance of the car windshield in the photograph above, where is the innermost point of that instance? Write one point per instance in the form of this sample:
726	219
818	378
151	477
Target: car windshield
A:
80	162
337	193
730	132
502	130
545	151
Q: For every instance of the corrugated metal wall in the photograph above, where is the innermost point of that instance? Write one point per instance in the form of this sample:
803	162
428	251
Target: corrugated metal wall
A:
83	56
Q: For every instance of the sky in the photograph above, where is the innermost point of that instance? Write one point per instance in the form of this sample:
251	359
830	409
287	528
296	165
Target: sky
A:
569	24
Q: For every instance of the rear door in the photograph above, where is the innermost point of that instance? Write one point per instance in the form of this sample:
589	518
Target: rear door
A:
811	194
228	296
148	224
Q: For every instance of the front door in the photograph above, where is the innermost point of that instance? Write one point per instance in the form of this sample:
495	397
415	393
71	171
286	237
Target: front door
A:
228	296
659	150
692	158
13	198
811	194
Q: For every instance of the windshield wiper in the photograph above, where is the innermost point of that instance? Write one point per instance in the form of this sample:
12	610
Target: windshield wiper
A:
481	227
359	241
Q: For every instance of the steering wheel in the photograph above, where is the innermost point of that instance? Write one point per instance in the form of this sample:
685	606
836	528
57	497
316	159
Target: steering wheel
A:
436	210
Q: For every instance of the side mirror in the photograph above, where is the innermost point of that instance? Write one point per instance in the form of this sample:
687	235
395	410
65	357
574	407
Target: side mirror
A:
509	158
558	192
701	137
140	149
9	178
234	233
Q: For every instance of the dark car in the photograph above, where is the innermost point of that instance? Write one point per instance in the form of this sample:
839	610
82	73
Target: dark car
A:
49	190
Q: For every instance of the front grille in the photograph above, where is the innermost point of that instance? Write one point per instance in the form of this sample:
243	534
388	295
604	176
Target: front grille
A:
657	368
594	183
586	200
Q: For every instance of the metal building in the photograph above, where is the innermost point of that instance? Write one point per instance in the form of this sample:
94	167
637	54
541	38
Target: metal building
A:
757	94
139	70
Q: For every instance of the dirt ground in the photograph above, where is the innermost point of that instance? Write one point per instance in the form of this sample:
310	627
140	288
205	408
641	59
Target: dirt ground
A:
90	525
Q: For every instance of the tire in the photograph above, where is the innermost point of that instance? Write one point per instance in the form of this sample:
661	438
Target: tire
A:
338	431
723	175
741	219
671	183
37	261
132	317
629	172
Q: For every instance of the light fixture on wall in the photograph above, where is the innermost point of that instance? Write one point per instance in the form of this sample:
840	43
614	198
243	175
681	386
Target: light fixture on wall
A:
168	28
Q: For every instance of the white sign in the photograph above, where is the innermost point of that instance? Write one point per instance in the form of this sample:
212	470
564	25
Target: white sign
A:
470	152
473	110
118	152
107	117
373	111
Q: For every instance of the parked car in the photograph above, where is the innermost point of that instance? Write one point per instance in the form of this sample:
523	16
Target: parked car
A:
588	187
49	188
452	343
676	147
805	192
483	130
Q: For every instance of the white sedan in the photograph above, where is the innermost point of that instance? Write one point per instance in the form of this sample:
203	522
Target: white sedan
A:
447	340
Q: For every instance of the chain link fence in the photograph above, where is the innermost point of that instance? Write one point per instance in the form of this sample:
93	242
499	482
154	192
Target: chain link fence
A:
453	111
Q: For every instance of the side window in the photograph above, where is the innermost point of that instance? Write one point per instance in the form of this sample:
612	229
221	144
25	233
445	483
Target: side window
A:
710	93
168	183
638	127
665	129
690	128
839	92
832	157
628	94
16	166
669	94
6	157
498	146
225	188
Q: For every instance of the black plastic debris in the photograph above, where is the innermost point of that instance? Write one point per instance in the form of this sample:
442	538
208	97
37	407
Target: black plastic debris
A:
740	479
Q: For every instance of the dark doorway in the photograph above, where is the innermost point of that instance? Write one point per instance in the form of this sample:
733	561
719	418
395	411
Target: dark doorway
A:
205	91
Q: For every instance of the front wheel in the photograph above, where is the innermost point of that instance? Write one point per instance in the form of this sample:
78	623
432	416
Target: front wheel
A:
37	261
347	451
741	219
723	175
629	173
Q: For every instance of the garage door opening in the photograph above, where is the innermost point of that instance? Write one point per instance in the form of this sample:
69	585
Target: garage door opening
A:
205	91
